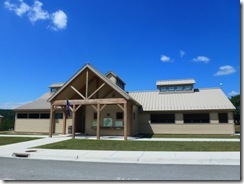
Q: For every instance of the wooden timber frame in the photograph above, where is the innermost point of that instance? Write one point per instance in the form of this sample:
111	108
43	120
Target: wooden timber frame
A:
97	104
86	99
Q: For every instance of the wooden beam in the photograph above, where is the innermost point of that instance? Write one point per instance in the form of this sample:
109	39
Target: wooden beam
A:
91	101
96	90
94	107
120	106
64	120
131	119
73	122
125	121
51	122
77	92
98	121
103	107
78	107
87	83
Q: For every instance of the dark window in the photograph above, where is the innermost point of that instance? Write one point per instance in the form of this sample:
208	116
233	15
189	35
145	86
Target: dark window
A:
188	88
119	115
163	89
196	118
223	117
58	115
95	115
34	116
179	88
162	118
45	115
171	88
22	115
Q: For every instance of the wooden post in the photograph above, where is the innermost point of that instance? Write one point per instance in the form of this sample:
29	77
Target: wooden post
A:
125	121
86	83
98	121
51	122
73	122
64	121
131	119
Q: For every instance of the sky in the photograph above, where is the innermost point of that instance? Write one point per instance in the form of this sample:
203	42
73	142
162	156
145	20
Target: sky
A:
44	42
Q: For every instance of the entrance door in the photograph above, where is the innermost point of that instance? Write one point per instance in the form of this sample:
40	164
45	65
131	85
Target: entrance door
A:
80	120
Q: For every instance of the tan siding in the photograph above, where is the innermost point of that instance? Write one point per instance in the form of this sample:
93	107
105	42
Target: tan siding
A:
32	125
210	128
187	128
213	117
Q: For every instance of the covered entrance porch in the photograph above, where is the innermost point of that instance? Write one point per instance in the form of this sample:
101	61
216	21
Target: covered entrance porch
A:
98	105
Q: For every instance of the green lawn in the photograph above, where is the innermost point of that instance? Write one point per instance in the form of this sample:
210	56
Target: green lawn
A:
190	136
79	144
12	140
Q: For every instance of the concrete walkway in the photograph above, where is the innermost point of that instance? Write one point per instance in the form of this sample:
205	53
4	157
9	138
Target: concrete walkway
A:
148	157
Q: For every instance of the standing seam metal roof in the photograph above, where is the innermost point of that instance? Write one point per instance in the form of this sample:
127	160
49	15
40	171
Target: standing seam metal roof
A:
204	99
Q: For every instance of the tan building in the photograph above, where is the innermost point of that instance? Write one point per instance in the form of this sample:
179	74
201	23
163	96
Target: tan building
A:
174	108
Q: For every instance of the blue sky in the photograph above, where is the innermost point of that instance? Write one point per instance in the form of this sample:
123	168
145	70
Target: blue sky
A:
44	42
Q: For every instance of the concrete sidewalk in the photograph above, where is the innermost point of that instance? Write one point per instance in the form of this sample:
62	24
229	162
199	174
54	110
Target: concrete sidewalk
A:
146	157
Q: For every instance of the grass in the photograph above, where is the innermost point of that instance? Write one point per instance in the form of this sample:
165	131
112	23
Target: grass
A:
79	144
190	136
12	140
238	128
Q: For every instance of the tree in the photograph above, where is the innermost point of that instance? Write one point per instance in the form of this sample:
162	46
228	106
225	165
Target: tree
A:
235	100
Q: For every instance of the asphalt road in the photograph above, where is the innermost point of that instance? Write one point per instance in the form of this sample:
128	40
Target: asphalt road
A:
26	169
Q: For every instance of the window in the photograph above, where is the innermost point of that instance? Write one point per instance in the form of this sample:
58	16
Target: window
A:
179	88
163	89
119	115
188	88
171	88
34	116
162	118
45	116
223	117
95	115
22	115
58	115
196	118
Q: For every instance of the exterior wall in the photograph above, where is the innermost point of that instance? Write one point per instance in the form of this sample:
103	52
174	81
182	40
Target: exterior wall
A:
32	125
214	127
110	110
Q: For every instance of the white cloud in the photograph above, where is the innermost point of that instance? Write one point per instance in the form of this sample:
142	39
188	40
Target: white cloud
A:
203	59
58	19
182	53
165	59
225	70
37	13
19	10
233	93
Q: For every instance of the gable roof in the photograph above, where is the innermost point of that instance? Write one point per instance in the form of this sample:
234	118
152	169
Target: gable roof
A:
203	99
102	77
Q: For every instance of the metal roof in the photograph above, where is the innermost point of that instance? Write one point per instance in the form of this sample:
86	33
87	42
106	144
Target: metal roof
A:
175	82
55	85
203	99
39	104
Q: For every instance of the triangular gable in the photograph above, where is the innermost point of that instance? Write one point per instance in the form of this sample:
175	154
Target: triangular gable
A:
81	74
